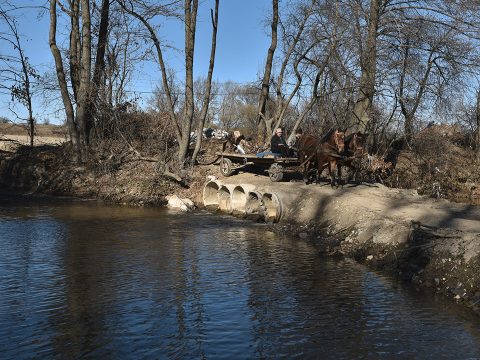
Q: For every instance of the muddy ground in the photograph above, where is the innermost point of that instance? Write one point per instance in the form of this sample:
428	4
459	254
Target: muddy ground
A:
432	243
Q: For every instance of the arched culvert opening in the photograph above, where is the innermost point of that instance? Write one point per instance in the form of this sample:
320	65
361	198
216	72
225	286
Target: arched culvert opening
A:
210	195
239	199
272	207
253	206
225	199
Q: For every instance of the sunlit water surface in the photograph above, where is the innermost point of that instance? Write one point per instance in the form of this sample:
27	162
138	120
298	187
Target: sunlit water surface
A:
85	280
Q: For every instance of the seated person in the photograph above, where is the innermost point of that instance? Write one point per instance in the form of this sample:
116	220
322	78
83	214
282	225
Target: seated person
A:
278	145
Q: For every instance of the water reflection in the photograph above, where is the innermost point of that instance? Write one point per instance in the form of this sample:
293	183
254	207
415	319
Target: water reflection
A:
82	280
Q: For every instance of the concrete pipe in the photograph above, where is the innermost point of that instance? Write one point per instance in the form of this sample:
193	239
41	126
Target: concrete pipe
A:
210	195
225	198
272	207
253	206
239	199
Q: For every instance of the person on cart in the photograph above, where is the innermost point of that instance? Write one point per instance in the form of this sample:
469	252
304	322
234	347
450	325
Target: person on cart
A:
278	145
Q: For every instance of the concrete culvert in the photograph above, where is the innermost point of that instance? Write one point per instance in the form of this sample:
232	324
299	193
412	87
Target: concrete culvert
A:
239	199
225	199
210	195
253	206
272	207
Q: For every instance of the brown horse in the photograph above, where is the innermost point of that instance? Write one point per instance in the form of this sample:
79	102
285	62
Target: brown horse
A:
353	152
329	153
307	154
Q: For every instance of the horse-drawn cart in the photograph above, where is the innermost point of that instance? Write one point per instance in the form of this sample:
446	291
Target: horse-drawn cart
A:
276	167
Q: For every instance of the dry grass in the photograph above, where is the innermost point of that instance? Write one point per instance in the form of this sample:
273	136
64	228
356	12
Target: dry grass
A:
12	136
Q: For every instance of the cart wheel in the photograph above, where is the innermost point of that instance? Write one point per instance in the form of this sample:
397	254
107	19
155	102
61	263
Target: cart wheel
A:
207	158
275	172
226	167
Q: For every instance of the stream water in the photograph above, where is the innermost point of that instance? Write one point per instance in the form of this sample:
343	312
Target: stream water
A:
80	279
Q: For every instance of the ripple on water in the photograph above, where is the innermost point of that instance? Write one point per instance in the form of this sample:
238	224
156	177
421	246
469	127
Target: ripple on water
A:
81	280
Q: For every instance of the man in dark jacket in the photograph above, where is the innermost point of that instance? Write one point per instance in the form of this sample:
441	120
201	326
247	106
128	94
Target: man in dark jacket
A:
278	145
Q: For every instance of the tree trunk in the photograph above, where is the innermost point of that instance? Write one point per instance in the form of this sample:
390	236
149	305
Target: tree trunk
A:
99	70
208	85
85	81
163	69
261	117
69	112
281	104
409	108
191	7
477	130
307	109
368	62
74	53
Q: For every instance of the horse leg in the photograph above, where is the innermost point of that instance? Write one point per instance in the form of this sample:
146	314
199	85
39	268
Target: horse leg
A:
306	174
317	175
301	157
354	171
332	167
339	170
312	171
321	165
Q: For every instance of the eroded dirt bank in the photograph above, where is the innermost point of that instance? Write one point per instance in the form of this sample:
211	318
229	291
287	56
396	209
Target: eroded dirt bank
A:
433	243
50	170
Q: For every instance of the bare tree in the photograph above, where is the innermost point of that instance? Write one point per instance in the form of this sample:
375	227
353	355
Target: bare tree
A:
84	82
238	106
208	84
129	7
18	71
183	123
368	64
62	81
477	123
99	69
410	104
268	70
282	104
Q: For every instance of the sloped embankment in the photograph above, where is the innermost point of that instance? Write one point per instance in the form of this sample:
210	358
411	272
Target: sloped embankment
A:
433	243
50	170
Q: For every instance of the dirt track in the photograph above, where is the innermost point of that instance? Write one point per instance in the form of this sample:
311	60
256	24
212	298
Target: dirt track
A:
369	200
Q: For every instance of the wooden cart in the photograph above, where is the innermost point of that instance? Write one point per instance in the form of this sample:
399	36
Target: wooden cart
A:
276	167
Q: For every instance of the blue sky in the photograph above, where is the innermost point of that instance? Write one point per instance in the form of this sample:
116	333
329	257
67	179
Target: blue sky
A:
242	44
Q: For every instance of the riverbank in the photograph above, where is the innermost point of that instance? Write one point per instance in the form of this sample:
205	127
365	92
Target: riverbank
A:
49	170
432	243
